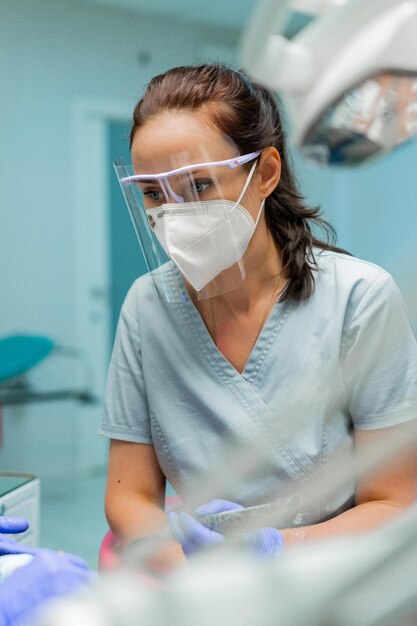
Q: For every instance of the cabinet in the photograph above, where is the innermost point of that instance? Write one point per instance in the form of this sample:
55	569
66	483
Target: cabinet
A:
20	497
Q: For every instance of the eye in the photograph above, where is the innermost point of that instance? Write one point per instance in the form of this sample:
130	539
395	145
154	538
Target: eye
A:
200	186
154	195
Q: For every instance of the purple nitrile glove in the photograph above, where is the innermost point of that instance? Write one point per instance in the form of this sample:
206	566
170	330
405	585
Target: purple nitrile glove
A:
8	546
49	575
13	525
217	506
265	542
193	536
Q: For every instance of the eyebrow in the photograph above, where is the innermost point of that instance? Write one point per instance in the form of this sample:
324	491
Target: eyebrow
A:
197	171
147	180
156	180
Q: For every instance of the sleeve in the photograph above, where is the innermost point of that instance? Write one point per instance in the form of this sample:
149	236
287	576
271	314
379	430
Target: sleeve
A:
379	359
126	413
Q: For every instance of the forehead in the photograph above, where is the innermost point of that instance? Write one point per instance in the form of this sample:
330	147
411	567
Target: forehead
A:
176	138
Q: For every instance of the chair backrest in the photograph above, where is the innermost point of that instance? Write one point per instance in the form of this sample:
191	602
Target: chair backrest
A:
19	353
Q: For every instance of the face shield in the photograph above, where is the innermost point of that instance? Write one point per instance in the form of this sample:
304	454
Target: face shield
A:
194	215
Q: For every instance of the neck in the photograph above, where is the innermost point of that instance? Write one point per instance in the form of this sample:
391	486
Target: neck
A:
263	265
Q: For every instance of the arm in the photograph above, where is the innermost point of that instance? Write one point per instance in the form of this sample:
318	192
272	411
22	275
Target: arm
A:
378	358
135	495
380	495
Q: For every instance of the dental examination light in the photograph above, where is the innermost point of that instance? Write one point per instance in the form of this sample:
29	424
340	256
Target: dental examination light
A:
348	76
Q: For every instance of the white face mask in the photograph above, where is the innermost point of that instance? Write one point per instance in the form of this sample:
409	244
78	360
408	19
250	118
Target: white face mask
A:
205	238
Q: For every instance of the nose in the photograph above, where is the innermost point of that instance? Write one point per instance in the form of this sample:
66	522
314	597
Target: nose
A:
170	192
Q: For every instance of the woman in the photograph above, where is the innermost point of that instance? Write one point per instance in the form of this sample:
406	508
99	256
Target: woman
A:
277	334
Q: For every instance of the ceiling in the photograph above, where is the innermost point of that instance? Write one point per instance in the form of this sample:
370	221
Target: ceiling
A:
231	14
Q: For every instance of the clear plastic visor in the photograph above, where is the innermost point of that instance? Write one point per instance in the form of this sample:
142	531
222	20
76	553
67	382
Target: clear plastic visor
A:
194	215
373	118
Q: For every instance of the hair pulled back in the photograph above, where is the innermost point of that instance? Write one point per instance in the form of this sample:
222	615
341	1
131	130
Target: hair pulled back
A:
249	115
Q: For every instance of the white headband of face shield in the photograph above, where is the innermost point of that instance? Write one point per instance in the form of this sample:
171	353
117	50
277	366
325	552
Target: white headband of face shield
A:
205	238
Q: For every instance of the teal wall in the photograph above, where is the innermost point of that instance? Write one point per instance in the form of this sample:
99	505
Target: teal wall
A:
379	204
374	211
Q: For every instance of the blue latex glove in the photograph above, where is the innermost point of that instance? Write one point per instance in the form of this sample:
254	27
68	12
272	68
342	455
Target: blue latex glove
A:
193	536
13	525
49	575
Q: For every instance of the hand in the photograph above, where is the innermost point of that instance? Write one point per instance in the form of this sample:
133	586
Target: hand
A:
8	546
13	525
193	536
49	575
265	542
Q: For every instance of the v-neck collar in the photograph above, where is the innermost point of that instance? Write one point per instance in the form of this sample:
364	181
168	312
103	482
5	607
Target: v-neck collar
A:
266	338
295	460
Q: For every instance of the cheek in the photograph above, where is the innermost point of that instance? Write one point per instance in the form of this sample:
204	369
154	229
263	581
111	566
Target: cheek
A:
252	202
233	186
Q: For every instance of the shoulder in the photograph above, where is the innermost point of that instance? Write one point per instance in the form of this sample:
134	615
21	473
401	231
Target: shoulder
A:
351	287
143	299
349	268
351	278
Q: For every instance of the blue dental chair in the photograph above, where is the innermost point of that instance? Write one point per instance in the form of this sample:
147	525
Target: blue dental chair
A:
18	355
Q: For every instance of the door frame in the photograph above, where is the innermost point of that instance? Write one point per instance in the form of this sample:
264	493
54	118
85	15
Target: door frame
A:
92	304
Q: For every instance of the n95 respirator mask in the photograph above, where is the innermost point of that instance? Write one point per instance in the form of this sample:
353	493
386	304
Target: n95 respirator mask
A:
204	238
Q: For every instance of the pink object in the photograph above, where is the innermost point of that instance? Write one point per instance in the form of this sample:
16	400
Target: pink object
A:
172	502
108	557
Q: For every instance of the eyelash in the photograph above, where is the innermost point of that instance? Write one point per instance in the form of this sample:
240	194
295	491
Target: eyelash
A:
153	191
193	184
204	183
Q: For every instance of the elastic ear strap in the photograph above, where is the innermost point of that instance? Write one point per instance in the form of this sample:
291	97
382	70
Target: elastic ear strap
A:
244	190
259	212
249	178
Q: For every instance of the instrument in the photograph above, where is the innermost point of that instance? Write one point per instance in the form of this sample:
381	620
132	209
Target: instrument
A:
282	513
289	511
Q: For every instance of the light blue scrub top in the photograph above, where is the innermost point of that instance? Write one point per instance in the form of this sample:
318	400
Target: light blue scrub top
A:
347	357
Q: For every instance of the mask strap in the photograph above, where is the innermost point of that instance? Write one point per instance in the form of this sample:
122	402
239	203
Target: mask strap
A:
259	213
249	178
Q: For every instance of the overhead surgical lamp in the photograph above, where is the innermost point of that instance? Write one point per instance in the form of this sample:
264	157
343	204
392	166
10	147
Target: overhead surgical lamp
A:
348	76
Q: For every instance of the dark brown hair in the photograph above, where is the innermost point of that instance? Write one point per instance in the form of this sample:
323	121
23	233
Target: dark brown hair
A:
249	115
